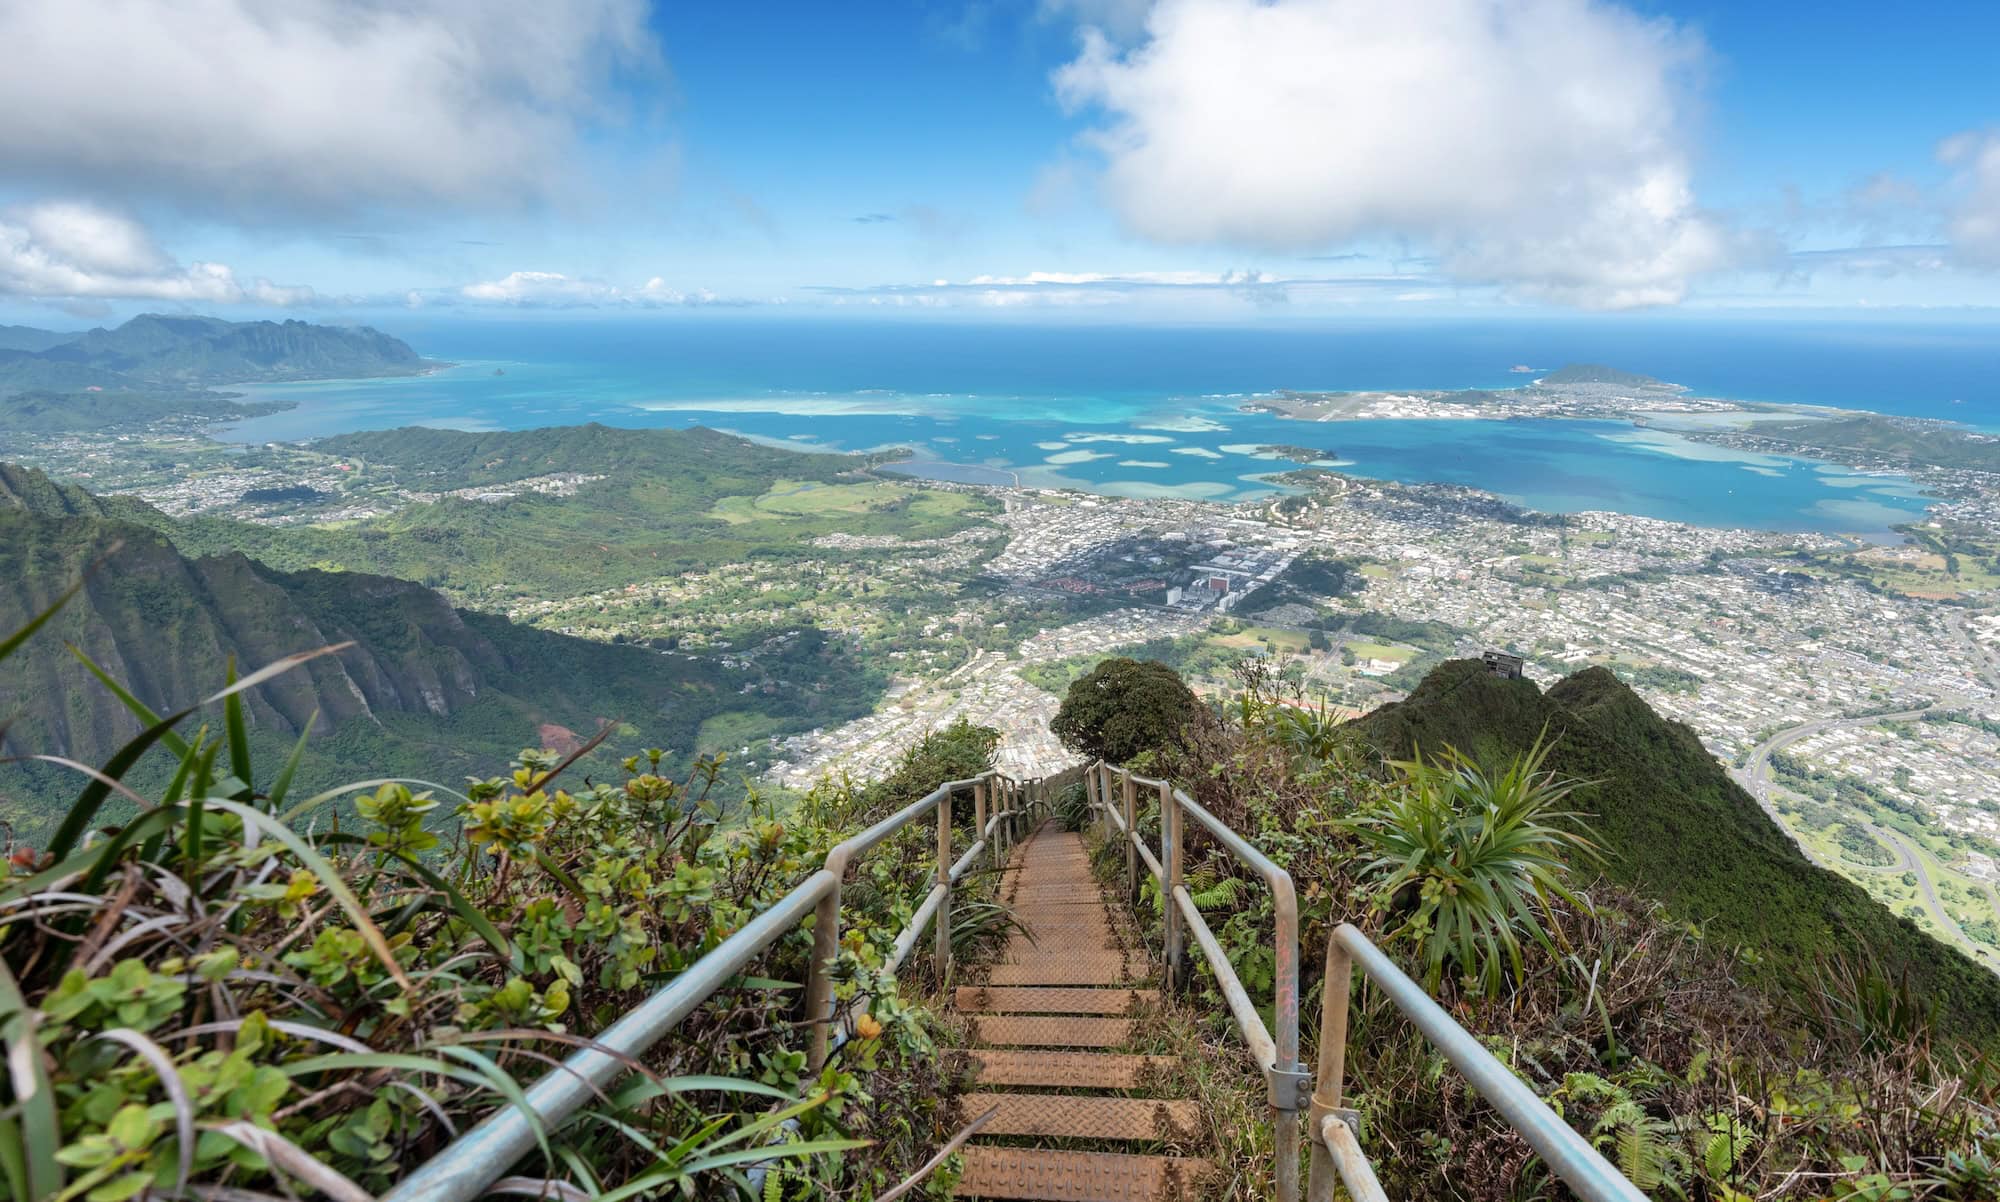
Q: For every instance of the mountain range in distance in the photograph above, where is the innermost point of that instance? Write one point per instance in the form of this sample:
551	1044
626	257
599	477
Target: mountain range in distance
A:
159	365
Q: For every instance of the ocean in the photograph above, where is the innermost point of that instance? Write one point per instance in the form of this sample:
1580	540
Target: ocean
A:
1156	410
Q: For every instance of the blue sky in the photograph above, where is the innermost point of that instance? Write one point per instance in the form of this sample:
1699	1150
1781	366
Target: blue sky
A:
1226	160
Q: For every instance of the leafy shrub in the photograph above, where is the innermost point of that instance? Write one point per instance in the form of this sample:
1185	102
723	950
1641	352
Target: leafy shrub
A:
1124	708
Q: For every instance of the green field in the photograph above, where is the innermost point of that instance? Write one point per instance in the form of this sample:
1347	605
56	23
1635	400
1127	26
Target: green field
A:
814	498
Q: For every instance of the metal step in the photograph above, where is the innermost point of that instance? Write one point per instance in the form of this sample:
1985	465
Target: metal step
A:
1079	968
1141	1120
1063	1070
1003	999
1078	1176
1050	1031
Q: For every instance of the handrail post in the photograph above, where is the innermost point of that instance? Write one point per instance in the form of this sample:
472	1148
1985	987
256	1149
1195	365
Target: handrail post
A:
943	919
1285	1013
1105	801
1131	799
979	811
1329	1080
1170	863
819	972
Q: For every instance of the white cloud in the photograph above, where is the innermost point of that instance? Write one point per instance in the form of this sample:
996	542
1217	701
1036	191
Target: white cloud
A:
1536	144
72	251
551	289
325	105
1121	19
1974	222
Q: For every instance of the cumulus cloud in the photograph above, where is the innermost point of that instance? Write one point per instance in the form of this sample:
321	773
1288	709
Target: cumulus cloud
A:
73	251
1973	224
320	105
1535	144
554	290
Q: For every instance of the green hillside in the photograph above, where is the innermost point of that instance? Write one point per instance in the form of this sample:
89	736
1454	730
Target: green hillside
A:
652	505
1675	827
426	690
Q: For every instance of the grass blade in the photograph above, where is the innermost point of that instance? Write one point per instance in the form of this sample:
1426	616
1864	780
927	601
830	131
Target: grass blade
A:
140	709
8	644
34	1096
474	917
283	783
237	728
508	1088
103	780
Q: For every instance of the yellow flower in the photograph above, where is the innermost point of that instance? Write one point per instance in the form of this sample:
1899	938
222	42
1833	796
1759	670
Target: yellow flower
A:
866	1026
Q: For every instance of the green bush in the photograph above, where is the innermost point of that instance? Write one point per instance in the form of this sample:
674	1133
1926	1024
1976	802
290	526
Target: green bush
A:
1124	708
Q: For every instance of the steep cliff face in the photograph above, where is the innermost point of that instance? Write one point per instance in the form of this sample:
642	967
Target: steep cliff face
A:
164	625
1675	827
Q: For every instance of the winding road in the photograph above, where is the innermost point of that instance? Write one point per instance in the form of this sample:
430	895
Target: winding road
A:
1755	777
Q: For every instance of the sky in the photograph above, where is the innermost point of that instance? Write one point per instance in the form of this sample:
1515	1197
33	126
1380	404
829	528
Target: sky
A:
1111	160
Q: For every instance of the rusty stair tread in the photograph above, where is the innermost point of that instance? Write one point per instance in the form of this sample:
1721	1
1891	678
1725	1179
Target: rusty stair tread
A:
1063	1070
1050	1031
1078	1176
1024	999
1069	1117
1055	970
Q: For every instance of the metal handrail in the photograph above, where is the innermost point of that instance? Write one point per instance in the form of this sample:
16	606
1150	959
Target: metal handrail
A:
473	1161
1336	1150
1286	1080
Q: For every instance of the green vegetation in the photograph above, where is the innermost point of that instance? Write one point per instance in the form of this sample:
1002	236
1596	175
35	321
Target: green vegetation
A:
653	513
1312	579
222	997
1798	1041
1906	439
1471	859
1124	707
420	688
53	412
1673	826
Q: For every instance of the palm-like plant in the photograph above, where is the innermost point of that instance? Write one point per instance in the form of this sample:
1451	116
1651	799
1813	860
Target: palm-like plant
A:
1469	860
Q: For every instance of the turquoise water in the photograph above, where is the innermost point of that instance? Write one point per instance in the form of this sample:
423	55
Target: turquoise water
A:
1157	412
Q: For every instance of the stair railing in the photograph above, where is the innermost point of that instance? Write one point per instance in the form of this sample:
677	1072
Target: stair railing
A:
1287	1082
1334	1132
1002	807
1336	1146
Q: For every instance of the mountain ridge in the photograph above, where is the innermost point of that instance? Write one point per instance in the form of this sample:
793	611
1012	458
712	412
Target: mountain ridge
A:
157	350
1676	828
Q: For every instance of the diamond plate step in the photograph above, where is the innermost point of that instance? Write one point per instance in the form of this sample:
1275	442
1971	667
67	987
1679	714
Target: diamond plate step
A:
1137	1119
1017	1000
1050	1031
1078	1176
1079	968
1063	1070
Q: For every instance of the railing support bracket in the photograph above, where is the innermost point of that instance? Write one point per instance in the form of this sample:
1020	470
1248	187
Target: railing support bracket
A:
1290	1089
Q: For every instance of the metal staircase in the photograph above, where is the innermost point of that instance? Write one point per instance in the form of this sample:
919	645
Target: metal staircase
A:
1067	1115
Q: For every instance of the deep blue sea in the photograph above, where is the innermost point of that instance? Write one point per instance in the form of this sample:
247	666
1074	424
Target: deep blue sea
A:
1156	411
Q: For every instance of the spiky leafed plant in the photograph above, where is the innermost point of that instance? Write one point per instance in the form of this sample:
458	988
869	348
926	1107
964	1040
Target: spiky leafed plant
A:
1467	860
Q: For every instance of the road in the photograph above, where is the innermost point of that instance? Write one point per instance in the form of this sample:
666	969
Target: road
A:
1755	775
